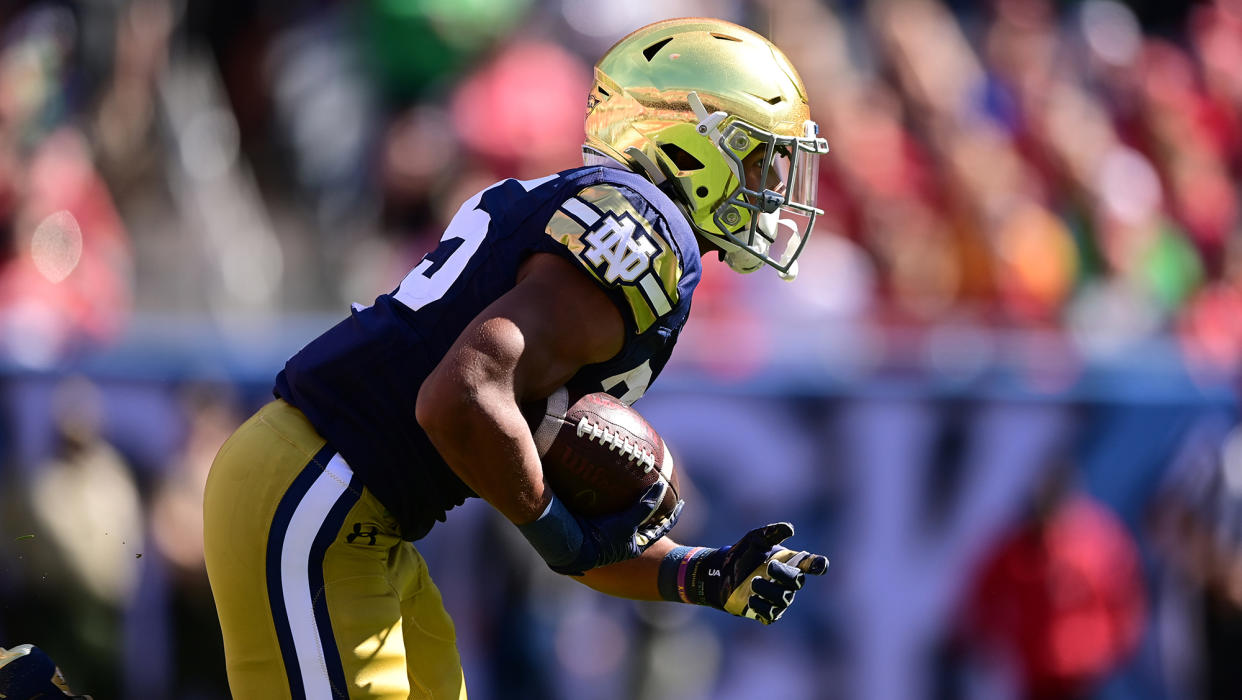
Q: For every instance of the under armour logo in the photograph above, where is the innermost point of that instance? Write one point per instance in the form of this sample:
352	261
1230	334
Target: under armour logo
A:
359	533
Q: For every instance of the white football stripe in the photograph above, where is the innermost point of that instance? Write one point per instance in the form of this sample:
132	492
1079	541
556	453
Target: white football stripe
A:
550	423
581	211
307	518
666	466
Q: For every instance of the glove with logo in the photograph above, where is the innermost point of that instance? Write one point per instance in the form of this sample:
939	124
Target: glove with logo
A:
755	578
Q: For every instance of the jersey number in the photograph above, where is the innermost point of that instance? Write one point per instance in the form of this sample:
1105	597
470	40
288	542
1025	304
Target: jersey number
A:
432	277
442	253
636	382
440	268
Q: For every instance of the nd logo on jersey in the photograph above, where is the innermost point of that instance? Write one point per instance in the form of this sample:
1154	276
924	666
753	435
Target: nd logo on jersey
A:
619	249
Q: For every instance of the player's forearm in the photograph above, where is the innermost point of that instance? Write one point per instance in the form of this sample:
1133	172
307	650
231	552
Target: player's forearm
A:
470	414
636	578
491	450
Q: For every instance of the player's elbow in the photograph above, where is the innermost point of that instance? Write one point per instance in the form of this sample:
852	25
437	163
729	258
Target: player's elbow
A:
467	394
441	405
454	407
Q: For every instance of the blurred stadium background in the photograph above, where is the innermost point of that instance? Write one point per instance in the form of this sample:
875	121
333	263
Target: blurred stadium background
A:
1002	396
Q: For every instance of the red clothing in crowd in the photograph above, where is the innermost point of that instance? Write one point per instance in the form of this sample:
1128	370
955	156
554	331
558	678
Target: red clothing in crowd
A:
1063	598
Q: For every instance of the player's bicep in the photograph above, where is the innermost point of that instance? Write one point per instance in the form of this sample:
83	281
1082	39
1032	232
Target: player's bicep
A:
566	322
533	339
523	346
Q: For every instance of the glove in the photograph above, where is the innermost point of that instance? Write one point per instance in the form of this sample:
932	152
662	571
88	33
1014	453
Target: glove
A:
571	544
755	578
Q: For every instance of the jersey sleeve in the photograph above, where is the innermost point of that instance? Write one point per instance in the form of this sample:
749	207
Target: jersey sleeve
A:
622	242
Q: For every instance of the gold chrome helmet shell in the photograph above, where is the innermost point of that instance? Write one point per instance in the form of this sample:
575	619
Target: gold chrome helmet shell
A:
719	112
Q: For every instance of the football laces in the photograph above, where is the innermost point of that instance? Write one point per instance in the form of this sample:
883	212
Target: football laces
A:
630	448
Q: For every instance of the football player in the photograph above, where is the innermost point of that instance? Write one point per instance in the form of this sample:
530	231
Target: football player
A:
27	672
699	140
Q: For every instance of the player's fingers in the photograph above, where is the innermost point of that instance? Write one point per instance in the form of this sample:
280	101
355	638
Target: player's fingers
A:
775	593
765	611
641	512
776	533
787	576
814	564
653	531
669	522
654	494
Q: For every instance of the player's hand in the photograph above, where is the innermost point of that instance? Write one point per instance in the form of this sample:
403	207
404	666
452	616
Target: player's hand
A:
572	544
615	538
755	578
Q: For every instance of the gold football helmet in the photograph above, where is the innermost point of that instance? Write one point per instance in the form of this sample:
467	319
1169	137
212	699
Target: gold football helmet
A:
718	112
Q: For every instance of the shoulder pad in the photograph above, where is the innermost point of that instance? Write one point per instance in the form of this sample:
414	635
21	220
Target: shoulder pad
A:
621	241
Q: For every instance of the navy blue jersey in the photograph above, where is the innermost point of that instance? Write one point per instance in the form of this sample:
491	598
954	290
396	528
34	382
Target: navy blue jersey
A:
359	381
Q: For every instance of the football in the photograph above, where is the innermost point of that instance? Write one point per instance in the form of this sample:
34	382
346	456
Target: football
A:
598	454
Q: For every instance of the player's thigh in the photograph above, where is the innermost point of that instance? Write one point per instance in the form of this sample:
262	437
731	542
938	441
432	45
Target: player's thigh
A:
250	477
363	609
432	659
298	590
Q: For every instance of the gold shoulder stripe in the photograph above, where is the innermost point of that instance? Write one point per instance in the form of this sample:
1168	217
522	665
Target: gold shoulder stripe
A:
568	232
656	291
643	315
606	199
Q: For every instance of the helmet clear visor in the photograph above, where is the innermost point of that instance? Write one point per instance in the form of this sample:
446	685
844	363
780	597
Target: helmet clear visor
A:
779	176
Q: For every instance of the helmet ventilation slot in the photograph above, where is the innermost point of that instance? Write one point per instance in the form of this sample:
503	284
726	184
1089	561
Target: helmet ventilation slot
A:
683	159
770	100
654	49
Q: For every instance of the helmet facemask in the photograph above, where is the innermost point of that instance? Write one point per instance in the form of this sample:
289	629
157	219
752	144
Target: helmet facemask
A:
744	174
769	214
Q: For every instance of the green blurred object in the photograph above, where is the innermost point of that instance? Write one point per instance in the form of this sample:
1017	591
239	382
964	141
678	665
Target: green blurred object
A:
1171	267
411	46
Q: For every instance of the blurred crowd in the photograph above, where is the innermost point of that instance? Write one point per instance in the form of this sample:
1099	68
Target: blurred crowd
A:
1062	173
1004	164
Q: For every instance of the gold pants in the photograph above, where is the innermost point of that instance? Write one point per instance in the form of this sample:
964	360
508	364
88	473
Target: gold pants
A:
317	594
